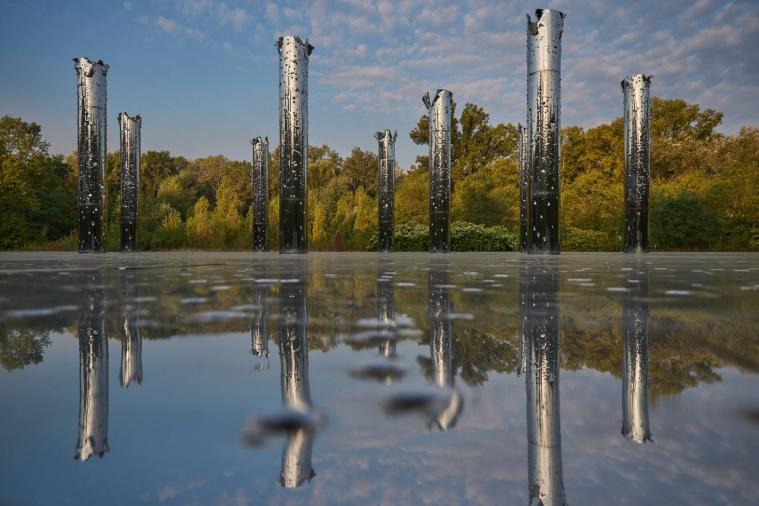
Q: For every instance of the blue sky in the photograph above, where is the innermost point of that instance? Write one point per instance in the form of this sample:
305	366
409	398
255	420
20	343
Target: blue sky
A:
204	73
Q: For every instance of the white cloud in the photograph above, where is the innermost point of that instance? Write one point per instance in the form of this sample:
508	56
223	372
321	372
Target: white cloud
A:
173	27
385	54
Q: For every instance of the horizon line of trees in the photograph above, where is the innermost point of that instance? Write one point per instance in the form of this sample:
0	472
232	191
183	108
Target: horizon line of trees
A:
704	188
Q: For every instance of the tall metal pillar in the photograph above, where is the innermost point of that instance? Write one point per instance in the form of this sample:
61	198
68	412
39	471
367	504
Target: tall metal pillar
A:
296	390
524	189
293	140
440	110
129	180
636	91
635	424
546	484
91	125
386	187
93	373
260	191
544	129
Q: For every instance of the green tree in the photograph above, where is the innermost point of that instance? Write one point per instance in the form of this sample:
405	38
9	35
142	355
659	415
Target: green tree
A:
37	199
412	198
683	222
361	170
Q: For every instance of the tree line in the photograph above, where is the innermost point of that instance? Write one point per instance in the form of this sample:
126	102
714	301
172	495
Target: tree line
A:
704	188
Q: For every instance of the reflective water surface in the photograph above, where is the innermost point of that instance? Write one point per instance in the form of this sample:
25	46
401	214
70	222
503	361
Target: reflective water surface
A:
218	378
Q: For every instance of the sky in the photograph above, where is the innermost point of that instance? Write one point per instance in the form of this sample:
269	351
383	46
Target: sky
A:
204	74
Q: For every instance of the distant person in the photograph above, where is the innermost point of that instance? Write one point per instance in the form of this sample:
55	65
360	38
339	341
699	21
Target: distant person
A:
338	241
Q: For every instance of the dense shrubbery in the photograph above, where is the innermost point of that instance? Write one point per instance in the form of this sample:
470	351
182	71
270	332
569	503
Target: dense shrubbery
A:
472	237
464	237
683	222
704	190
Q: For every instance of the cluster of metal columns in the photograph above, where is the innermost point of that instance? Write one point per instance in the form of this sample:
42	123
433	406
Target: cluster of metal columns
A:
92	130
539	155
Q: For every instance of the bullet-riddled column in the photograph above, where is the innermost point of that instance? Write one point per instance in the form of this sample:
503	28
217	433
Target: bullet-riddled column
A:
636	90
93	373
260	191
293	140
440	109
546	484
635	425
544	129
386	188
91	151
524	189
129	180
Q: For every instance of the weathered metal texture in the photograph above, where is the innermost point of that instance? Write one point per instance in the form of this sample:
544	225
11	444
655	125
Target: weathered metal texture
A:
131	339
386	188
635	422
439	309
440	110
385	312
546	484
129	179
93	374
544	129
92	122
524	189
637	103
260	191
296	391
293	140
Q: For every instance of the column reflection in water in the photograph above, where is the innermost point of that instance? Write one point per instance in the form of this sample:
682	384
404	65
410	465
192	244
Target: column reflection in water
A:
93	373
546	484
524	189
131	340
129	180
293	143
296	392
91	151
635	425
260	191
439	110
385	311
386	187
524	294
259	333
441	342
543	126
636	90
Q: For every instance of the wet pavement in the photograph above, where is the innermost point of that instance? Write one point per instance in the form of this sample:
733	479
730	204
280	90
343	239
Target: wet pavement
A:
234	378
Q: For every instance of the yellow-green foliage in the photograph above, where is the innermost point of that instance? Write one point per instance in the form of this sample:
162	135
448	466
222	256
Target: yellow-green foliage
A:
704	188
